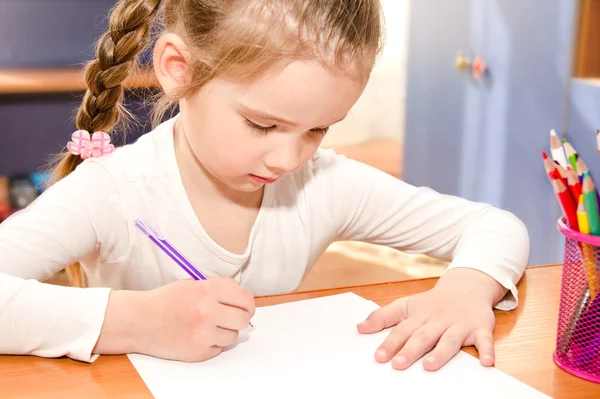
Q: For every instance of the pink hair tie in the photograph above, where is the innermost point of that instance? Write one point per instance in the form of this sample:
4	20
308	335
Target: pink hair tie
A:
98	146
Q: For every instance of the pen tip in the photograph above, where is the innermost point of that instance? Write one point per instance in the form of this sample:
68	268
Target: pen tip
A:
544	155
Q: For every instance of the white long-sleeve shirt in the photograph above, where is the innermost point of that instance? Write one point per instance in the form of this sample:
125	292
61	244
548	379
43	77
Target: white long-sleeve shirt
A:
330	198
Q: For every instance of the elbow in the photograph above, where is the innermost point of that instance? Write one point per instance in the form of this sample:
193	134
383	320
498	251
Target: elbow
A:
516	235
509	233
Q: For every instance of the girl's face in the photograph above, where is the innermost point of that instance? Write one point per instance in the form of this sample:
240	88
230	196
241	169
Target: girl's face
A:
250	134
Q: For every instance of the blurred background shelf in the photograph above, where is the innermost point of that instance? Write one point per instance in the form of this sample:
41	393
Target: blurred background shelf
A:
59	80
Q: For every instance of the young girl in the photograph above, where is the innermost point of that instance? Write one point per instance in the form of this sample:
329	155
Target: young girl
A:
237	182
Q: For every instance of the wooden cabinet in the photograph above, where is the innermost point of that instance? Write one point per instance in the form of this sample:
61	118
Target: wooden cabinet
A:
584	95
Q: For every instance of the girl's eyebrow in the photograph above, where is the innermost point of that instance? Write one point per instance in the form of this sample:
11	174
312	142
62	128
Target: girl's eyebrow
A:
266	116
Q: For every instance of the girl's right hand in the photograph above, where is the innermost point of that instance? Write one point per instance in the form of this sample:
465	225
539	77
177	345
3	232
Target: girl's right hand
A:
186	320
194	320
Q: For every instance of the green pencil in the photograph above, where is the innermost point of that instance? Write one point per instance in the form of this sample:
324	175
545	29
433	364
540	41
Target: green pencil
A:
591	204
572	155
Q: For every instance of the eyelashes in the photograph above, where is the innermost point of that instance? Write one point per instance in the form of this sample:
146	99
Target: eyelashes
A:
258	128
265	129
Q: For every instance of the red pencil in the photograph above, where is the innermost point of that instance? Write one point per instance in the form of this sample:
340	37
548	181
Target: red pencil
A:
574	184
567	203
554	170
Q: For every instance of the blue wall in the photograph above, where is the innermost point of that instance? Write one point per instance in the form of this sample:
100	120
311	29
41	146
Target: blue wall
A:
50	33
46	34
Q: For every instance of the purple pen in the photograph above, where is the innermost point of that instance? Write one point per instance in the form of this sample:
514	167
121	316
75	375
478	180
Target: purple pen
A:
169	249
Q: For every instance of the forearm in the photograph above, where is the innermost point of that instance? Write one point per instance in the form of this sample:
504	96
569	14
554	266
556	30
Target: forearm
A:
123	324
497	245
49	321
472	283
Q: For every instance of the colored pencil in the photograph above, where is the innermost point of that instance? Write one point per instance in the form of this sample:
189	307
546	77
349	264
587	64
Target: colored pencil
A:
557	150
552	168
582	219
562	171
581	169
598	140
573	182
584	336
588	251
574	324
566	202
572	155
591	204
590	351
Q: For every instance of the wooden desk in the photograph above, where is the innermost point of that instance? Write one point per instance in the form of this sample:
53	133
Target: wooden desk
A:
524	343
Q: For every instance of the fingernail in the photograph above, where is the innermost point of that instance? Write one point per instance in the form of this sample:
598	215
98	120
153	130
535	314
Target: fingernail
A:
400	360
381	353
431	359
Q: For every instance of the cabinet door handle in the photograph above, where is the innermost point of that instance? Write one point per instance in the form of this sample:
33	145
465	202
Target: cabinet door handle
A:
462	62
477	66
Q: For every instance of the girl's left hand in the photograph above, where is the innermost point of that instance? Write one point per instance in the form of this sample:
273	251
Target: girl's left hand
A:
447	317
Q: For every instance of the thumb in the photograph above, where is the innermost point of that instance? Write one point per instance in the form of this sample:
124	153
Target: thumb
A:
384	317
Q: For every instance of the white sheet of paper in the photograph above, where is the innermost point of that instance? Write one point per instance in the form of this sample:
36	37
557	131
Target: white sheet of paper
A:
311	349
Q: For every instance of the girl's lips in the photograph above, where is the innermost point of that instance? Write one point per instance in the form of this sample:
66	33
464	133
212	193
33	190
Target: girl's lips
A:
261	179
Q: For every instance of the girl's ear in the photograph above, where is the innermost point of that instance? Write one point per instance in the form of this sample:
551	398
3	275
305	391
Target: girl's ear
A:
170	62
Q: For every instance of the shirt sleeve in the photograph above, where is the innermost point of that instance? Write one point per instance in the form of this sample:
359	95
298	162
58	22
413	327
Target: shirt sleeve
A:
59	228
372	206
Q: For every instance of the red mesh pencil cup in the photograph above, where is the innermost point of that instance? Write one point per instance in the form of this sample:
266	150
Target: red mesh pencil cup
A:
578	334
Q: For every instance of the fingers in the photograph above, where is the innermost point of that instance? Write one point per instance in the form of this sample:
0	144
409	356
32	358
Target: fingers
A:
449	344
384	317
396	339
419	342
230	293
231	318
208	353
225	337
484	342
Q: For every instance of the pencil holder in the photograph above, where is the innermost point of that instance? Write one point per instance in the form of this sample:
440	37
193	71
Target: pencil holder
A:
578	333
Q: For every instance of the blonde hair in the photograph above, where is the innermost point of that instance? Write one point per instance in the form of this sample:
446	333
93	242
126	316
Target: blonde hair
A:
225	38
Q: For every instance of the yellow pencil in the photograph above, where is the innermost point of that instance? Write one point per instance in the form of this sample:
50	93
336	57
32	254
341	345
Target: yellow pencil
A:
582	219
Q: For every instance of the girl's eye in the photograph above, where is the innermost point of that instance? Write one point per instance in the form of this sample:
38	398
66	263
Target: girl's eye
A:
258	128
265	129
